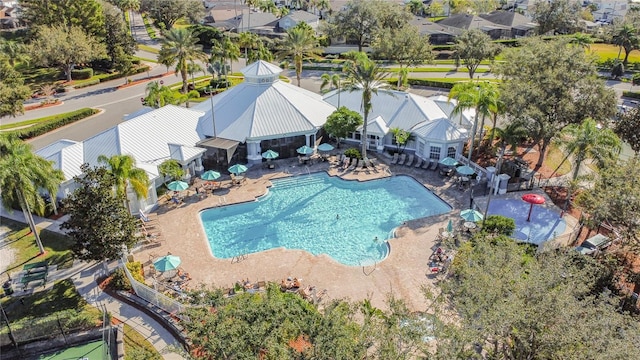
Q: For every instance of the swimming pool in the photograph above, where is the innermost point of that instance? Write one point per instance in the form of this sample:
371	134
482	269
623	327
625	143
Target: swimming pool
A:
347	220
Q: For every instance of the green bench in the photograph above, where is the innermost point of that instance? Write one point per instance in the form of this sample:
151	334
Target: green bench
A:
37	276
36	267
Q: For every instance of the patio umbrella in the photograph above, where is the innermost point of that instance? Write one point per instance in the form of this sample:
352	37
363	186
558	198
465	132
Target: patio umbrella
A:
178	185
305	150
450	226
210	175
533	199
167	263
471	215
465	170
270	155
448	161
325	147
237	169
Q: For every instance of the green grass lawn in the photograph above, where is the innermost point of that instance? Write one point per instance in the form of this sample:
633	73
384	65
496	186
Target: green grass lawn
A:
20	239
37	76
554	160
608	51
134	343
26	123
148	48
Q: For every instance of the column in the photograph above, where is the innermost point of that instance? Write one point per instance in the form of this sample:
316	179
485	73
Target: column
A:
253	153
199	167
308	139
379	145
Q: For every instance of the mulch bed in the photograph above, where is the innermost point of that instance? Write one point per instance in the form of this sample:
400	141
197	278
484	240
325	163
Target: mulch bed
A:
42	106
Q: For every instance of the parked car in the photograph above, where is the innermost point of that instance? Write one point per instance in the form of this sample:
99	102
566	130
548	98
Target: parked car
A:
594	244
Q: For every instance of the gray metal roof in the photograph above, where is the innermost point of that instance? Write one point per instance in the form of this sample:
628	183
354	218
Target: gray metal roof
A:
66	156
260	69
440	130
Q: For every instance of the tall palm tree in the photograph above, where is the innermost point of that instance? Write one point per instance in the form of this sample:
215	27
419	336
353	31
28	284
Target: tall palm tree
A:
365	75
267	6
126	174
251	4
333	81
300	44
626	38
481	96
192	69
246	41
510	135
586	141
262	52
223	51
497	109
180	47
416	7
158	95
22	175
281	12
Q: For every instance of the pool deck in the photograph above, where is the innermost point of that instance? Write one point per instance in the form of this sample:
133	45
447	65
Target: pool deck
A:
403	273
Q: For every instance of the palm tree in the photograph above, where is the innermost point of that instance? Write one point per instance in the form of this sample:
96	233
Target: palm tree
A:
22	175
158	95
281	12
587	141
332	81
322	5
192	69
179	47
246	41
300	44
13	51
262	52
267	6
496	109
231	50
416	7
510	135
481	96
251	4
125	173
365	75
626	38
582	40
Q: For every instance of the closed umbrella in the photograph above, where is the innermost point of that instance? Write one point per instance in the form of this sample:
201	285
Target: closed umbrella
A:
210	175
167	263
448	161
178	185
305	150
450	226
465	170
325	147
270	155
471	215
237	169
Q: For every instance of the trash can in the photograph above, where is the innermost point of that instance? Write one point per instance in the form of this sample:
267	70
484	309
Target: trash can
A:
7	288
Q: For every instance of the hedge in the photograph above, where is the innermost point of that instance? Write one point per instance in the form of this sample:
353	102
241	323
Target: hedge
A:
56	121
120	76
430	83
87	83
631	94
82	74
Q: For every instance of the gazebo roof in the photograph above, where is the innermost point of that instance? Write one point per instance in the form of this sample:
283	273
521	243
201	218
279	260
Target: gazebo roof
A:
440	130
376	126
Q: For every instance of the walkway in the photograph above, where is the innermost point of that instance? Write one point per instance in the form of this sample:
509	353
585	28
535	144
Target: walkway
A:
84	277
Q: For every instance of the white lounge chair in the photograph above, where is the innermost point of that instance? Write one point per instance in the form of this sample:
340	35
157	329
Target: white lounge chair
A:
360	166
395	158
434	165
427	163
418	162
410	160
403	157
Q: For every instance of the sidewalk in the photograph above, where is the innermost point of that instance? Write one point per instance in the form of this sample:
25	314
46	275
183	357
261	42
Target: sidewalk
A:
84	277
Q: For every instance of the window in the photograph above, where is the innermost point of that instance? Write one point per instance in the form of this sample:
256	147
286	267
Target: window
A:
451	152
434	153
357	135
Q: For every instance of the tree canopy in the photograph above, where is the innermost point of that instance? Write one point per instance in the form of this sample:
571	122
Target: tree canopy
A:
165	13
473	47
559	16
341	123
13	92
299	45
551	84
98	223
85	14
626	127
65	48
120	45
179	47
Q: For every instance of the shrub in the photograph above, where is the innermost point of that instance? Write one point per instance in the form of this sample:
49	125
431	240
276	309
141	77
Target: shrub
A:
55	122
87	83
635	79
498	224
135	268
82	74
353	153
219	83
631	94
119	280
120	76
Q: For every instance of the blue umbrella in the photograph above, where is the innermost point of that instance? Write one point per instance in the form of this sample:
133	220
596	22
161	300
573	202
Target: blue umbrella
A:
465	170
167	263
448	161
450	226
237	169
178	185
210	175
471	215
325	147
305	150
270	155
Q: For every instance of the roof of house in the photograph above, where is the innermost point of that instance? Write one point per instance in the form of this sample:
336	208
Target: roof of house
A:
426	27
440	130
301	15
510	18
376	126
263	107
66	156
469	22
255	20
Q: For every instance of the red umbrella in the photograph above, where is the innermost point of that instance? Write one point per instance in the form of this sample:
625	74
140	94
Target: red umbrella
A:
533	199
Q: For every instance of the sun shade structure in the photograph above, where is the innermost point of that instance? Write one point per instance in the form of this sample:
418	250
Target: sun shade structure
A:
178	186
270	155
305	150
465	170
533	199
448	161
210	175
167	263
325	147
237	169
471	215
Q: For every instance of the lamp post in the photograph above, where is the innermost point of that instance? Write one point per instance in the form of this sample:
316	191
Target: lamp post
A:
209	91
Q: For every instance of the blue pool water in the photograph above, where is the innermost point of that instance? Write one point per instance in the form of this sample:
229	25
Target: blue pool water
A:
545	224
322	215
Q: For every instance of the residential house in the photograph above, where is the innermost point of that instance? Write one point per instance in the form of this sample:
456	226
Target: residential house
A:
518	24
295	17
438	34
470	22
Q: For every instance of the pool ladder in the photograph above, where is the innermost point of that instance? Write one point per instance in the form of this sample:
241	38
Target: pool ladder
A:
238	258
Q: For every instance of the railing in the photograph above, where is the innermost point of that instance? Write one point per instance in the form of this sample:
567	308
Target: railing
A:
477	168
154	297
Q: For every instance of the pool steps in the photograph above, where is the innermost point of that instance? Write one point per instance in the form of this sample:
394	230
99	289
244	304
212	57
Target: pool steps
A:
295	181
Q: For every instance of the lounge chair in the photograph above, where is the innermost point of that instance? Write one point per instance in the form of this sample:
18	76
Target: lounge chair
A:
345	164
368	163
410	161
354	164
427	164
434	165
418	162
360	166
403	157
395	159
144	217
